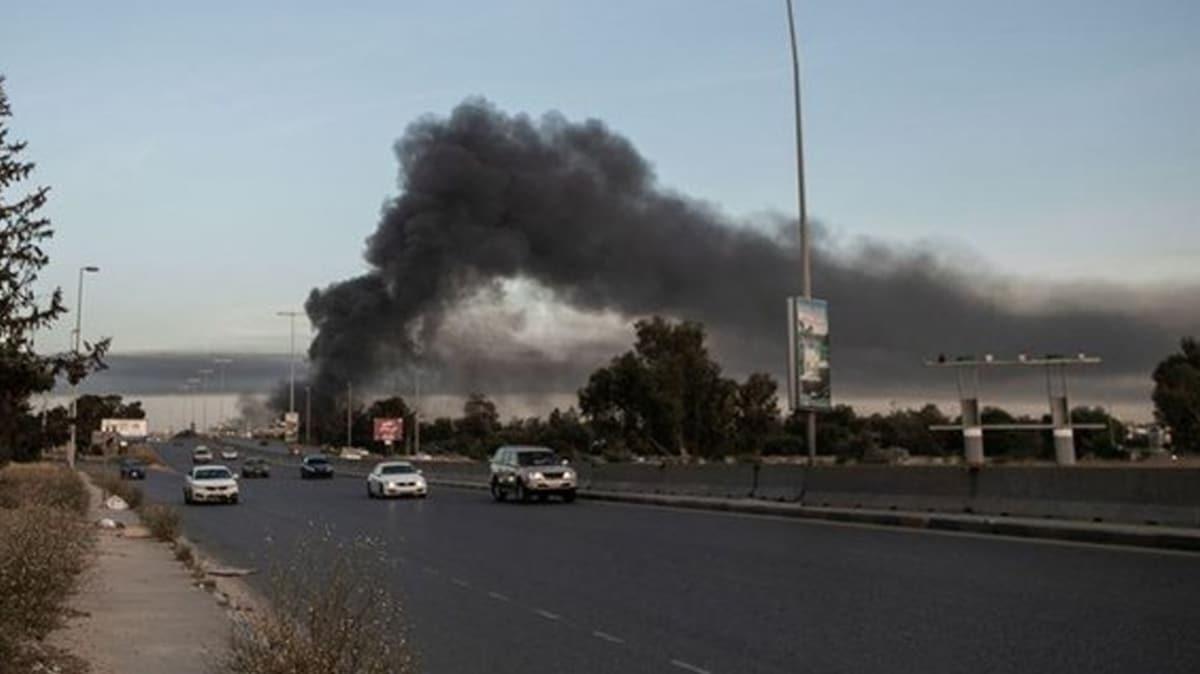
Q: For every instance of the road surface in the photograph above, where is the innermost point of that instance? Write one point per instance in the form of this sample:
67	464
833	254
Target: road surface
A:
597	587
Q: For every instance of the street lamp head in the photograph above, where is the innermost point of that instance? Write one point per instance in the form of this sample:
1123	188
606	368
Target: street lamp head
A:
91	269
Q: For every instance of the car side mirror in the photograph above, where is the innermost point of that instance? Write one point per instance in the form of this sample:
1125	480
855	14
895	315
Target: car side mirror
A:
420	472
566	462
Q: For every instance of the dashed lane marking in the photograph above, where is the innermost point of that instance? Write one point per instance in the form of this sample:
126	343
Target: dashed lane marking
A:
547	615
460	582
608	637
687	666
498	597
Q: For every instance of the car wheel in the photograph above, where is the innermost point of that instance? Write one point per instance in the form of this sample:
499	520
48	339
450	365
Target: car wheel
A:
497	492
370	492
569	497
542	497
233	499
187	498
522	493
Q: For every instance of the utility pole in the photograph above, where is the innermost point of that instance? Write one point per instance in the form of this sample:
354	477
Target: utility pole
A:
291	315
72	448
349	416
192	382
308	414
416	411
802	207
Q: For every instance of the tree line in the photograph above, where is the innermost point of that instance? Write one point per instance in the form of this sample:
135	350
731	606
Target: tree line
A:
667	396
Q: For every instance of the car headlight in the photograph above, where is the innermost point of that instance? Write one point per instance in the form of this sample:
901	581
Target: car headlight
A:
568	475
535	475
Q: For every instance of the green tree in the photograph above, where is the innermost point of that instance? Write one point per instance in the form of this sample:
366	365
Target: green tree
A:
1177	395
479	425
757	411
1105	443
666	396
23	372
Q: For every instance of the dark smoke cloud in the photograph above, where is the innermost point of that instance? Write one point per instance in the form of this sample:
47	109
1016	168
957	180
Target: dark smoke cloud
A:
487	197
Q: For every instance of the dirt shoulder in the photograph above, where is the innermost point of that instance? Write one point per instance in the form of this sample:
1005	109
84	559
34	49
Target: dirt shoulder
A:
139	609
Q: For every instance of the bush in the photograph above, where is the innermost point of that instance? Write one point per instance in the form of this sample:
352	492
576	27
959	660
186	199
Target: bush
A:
113	484
42	484
161	520
145	454
42	551
184	554
323	619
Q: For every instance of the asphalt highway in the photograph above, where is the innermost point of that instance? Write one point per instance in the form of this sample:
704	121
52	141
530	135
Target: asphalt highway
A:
596	587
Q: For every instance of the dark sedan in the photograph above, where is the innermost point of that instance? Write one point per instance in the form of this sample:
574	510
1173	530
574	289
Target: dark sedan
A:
256	467
315	466
133	469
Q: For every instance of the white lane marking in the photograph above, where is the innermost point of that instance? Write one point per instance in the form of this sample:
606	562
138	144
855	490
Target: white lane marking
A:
431	571
546	614
608	637
460	582
689	667
498	597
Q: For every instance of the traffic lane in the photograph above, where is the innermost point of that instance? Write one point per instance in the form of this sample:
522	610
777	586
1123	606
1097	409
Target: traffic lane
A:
456	625
754	594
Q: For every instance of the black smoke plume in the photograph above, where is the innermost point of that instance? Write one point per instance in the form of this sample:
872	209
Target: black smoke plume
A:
486	196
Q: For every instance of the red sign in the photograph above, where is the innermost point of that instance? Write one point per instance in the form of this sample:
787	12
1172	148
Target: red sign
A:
388	430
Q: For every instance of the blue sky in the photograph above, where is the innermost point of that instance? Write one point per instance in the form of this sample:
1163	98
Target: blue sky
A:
217	160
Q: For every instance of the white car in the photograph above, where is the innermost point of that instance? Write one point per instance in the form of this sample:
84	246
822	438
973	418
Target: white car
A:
396	478
210	484
202	454
229	454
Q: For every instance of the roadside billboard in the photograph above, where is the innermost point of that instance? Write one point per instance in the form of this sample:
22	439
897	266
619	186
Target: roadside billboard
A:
808	354
126	428
389	430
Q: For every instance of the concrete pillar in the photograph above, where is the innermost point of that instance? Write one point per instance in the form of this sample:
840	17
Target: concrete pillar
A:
1064	435
972	431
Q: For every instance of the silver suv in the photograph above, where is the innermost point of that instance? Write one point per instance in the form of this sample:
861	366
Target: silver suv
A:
528	472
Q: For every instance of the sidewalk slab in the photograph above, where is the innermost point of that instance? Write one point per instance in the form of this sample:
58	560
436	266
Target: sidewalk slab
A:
140	612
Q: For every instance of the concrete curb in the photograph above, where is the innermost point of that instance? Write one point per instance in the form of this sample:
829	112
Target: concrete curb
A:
1166	538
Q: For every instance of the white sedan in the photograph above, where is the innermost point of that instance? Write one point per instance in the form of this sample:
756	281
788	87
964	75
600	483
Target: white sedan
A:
206	484
396	478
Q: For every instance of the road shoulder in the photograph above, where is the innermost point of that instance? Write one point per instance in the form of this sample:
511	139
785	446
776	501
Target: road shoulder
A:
139	610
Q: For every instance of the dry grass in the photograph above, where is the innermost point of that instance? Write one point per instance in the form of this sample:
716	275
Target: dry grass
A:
29	484
183	553
43	547
111	483
161	520
328	614
144	454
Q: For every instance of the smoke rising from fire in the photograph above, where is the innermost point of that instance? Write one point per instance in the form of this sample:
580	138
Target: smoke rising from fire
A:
486	198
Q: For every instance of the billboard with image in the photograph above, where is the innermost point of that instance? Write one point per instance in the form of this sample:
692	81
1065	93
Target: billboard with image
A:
808	354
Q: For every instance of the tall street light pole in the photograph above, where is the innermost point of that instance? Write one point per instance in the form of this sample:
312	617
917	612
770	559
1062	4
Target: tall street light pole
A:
221	363
191	383
802	207
291	315
72	448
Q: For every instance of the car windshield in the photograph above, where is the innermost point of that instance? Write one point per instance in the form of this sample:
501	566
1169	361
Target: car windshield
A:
201	451
316	461
212	474
397	469
134	463
546	458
